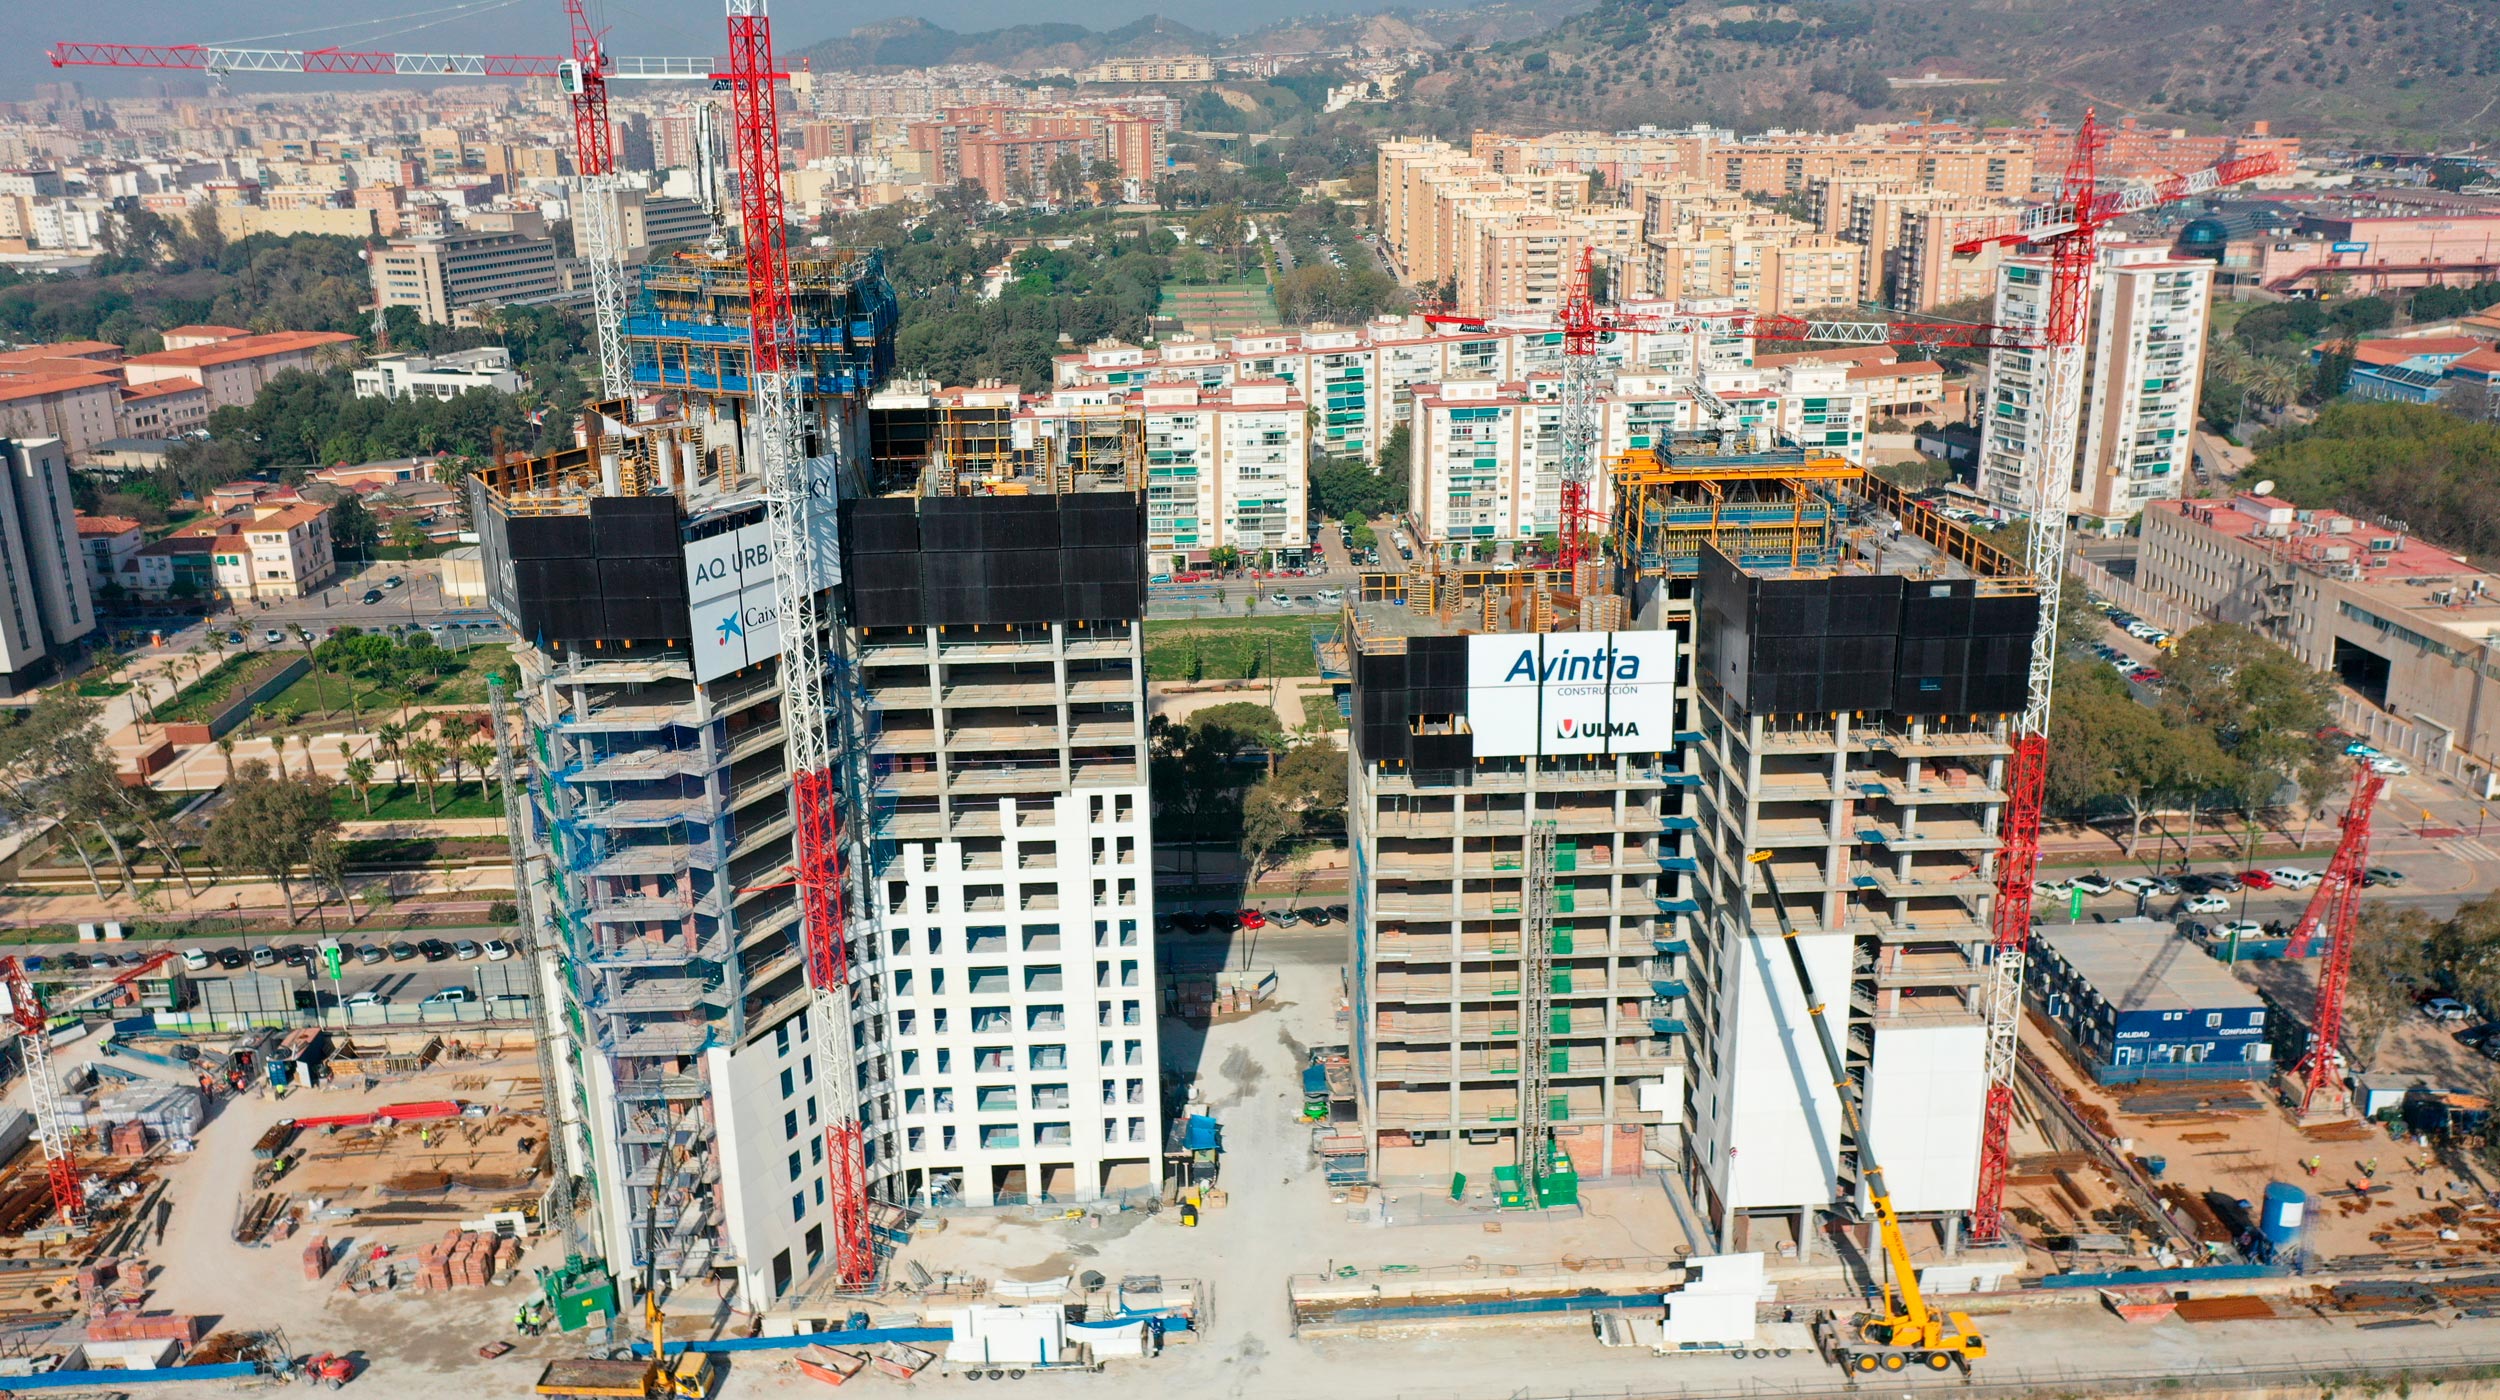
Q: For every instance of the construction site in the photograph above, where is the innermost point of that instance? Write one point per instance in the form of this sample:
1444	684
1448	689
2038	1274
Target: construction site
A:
1691	1005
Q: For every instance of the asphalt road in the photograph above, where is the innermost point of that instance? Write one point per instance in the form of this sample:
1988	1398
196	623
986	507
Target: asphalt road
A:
418	601
403	982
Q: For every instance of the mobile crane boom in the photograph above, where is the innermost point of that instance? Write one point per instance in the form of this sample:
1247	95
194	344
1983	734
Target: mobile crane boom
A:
1906	1332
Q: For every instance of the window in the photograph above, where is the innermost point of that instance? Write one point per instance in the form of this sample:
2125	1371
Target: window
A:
816	1151
820	1190
794	1166
790	1126
807	1069
789	1084
815	1243
798	1206
811	1111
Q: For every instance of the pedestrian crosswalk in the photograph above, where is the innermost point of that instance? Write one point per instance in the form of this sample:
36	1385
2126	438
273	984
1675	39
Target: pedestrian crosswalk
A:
2474	851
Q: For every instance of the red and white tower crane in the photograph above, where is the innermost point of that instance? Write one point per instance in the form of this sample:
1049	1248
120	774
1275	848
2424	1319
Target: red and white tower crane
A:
33	1022
2068	231
800	496
583	77
1582	320
2335	909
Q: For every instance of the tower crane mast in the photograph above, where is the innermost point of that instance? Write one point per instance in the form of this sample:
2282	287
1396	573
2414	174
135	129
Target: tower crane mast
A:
33	1021
2335	908
799	492
2068	231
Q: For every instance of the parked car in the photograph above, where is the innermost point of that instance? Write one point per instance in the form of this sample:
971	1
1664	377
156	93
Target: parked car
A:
1332	595
2391	767
227	958
2382	875
467	950
2358	749
1337	912
497	950
2225	881
372	596
362	999
393	581
450	996
2257	879
264	956
1284	918
2207	904
2144	885
2145	675
2240	928
2446	1009
273	638
234	639
297	955
2292	877
2095	884
197	959
1280	599
402	952
1316	917
433	950
1251	919
2167	884
2054	889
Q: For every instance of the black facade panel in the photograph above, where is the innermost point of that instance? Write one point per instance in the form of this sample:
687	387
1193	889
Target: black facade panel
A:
643	526
1437	751
880	525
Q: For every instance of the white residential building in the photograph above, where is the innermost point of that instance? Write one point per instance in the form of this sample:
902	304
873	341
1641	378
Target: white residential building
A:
439	376
2147	339
44	601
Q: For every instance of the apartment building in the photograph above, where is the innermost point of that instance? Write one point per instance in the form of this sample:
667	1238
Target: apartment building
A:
1361	380
231	371
2147	335
2404	626
107	541
1856	725
269	549
1485	456
80	405
45	602
999	644
2148	347
445	278
1520	838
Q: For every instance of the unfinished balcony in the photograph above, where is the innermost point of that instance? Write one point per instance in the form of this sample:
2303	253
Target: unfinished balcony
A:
1924	830
641	766
1940	782
1918	879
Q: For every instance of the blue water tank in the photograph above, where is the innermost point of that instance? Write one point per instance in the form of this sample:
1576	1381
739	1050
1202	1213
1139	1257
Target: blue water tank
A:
2286	1210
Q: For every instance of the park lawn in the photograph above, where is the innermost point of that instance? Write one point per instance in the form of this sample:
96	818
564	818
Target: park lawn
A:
404	802
1231	648
318	692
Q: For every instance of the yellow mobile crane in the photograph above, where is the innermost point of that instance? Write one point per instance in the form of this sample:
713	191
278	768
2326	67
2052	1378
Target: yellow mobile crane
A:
1903	1331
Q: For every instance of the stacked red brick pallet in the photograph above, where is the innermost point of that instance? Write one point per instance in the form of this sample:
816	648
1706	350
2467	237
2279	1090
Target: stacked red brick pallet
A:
145	1327
316	1258
466	1259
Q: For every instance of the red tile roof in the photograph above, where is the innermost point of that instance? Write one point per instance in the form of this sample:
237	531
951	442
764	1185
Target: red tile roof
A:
250	347
105	524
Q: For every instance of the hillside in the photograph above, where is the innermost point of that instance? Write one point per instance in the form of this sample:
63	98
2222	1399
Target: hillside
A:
2415	73
903	43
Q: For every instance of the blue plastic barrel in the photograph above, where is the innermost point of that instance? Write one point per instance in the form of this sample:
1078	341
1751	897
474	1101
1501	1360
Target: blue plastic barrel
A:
2286	1210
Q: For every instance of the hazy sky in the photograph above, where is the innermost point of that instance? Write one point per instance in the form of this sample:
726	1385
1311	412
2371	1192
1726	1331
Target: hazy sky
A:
657	27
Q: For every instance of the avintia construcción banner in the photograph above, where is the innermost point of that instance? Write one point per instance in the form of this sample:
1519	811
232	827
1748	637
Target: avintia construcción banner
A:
1571	693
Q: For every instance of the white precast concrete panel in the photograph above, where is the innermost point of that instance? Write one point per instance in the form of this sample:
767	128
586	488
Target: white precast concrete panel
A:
770	1208
1783	1114
1926	1094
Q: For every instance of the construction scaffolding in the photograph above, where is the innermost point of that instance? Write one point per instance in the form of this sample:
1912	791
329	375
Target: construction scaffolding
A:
688	329
985	441
1777	508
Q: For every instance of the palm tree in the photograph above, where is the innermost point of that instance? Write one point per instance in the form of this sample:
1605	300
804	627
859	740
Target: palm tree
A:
389	738
455	752
2276	384
481	756
305	740
360	776
225	750
425	758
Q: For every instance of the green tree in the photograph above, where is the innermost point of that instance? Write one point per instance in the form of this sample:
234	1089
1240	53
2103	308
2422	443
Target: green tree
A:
268	825
424	758
481	756
360	776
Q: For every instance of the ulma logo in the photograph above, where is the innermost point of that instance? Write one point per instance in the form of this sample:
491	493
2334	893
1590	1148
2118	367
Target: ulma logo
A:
1593	729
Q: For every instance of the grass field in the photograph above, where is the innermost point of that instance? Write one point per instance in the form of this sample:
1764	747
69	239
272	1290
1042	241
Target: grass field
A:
318	692
1230	648
406	801
1320	712
1230	306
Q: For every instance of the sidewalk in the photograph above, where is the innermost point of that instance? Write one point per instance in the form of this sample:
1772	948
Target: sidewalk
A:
166	903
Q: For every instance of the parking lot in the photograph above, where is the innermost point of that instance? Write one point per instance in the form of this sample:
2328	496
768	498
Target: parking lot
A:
459	965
